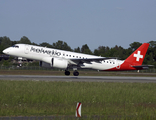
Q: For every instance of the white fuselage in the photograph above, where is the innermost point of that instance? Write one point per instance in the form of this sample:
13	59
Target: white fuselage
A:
42	53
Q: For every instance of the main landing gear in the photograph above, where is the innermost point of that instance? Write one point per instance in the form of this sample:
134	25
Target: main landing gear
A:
67	72
75	73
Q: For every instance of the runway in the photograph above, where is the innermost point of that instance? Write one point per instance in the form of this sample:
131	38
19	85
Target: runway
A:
80	78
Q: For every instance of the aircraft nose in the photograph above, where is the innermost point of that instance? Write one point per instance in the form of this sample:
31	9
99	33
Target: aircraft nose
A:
6	51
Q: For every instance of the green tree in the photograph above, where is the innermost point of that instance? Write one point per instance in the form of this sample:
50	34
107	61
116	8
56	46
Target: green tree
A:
61	45
77	50
34	43
14	42
6	63
85	49
45	44
135	45
118	52
150	57
34	63
152	44
152	49
4	43
102	51
24	40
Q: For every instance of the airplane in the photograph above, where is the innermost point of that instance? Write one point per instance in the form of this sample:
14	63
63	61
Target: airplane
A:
55	58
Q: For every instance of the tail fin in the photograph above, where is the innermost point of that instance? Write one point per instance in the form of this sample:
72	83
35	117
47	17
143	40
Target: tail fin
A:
137	57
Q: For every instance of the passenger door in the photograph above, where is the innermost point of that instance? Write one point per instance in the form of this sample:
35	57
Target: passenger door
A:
26	49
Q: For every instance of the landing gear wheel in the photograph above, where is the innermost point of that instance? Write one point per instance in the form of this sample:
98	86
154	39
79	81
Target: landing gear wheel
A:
67	73
75	73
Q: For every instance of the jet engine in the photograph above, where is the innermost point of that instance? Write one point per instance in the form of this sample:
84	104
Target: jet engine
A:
54	62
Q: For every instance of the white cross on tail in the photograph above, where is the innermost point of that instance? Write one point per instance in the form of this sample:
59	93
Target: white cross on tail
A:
138	56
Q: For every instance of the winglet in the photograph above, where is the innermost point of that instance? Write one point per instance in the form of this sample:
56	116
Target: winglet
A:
137	57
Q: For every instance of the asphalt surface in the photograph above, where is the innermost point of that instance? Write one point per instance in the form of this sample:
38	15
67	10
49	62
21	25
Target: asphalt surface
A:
80	78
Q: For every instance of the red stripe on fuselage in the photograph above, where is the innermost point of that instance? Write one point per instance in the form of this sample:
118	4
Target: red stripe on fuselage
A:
124	66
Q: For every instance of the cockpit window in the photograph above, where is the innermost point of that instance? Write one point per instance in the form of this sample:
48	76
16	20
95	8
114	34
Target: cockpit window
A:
15	46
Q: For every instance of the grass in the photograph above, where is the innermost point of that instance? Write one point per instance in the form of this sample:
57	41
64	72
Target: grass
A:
109	100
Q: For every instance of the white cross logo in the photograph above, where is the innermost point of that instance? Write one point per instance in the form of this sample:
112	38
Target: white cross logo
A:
138	56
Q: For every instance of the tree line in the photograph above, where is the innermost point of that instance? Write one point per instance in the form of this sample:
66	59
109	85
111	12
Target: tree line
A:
103	51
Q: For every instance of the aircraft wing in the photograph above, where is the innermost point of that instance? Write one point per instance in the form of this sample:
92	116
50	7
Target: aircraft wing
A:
89	60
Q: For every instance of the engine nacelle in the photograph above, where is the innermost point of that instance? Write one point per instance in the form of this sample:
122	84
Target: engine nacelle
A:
54	62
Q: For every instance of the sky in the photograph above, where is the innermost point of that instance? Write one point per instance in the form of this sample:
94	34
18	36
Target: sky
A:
79	22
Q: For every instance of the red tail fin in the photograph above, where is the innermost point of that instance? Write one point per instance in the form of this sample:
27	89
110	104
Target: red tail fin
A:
137	57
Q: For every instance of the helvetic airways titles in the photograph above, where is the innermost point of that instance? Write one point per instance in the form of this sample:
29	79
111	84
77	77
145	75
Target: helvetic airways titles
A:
49	52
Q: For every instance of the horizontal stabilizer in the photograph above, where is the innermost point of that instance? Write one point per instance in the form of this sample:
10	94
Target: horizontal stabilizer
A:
142	66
